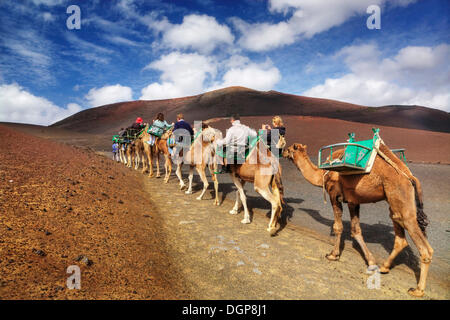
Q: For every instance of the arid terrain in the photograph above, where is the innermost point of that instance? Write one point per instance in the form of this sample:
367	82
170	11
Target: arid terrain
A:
60	204
63	201
147	240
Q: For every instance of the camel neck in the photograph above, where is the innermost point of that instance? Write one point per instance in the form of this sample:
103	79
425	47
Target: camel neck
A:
311	173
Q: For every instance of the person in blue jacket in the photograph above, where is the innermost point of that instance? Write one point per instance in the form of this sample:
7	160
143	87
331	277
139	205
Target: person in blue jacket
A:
181	124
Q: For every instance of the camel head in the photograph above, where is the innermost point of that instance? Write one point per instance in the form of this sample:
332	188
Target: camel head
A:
293	149
210	134
281	143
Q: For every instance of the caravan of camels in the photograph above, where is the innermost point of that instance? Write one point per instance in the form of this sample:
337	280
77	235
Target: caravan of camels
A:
383	176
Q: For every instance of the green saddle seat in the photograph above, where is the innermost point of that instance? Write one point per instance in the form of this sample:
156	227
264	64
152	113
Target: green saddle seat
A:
358	156
239	157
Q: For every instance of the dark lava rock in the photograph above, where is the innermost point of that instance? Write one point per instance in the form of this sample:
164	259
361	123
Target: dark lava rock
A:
39	252
85	260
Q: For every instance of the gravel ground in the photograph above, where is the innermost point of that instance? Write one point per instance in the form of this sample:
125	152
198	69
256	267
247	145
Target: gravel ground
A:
304	203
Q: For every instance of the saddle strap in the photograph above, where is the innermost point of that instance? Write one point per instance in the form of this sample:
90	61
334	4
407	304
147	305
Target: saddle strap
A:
392	163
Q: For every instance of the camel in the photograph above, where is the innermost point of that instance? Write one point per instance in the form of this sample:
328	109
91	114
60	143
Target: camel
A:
390	180
145	151
130	152
204	146
122	157
162	147
263	170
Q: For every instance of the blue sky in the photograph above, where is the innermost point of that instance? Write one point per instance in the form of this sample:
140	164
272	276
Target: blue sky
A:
136	49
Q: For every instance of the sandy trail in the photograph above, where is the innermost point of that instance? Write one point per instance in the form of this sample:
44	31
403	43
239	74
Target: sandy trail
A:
221	258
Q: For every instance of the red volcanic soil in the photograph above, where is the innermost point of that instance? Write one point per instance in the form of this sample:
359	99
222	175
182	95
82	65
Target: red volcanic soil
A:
247	102
420	145
63	206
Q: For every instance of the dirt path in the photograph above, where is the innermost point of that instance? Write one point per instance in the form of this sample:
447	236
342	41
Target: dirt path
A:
220	258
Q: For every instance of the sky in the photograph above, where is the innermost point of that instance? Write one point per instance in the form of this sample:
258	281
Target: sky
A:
134	49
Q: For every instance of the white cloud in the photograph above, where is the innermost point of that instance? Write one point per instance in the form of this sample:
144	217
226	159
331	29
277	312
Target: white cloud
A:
109	94
122	41
47	16
19	105
262	76
183	74
199	32
307	18
189	74
48	2
414	76
88	50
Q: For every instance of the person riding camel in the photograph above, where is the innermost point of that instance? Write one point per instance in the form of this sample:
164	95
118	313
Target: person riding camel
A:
277	123
181	124
235	141
138	124
158	128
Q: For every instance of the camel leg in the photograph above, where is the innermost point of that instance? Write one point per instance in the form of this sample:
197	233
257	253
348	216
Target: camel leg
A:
201	172
399	244
240	186
129	159
274	201
403	211
180	177
158	174
121	155
337	228
150	162
136	160
235	209
191	177
216	186
144	160
426	254
237	203
167	167
357	234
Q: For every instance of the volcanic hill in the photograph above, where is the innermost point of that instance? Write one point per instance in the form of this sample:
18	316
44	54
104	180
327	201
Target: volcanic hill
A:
248	102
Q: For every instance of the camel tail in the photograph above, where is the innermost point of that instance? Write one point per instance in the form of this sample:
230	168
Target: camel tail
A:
422	218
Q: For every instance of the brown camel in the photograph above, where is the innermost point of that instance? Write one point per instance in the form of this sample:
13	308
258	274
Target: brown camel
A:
145	151
392	182
204	147
130	152
262	169
162	147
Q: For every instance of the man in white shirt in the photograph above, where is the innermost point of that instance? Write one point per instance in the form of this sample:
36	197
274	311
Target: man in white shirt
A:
236	138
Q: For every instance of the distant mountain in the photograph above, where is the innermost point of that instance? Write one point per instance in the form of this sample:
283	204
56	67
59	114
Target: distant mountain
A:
248	102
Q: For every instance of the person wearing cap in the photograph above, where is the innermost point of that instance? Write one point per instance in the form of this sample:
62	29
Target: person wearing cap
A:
138	124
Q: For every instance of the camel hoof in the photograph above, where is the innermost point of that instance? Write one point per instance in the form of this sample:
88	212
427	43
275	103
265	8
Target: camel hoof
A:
332	257
199	198
233	211
245	221
182	186
384	269
188	192
216	203
272	231
416	292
